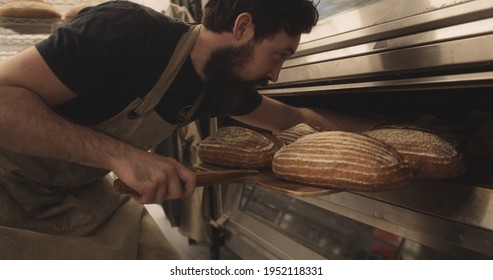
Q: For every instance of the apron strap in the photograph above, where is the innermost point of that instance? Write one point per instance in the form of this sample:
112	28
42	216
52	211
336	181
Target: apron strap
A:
181	52
189	115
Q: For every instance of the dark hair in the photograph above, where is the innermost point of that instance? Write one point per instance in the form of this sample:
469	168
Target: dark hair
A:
269	16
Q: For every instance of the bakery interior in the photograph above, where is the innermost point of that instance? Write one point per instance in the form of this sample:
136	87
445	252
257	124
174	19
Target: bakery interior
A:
422	63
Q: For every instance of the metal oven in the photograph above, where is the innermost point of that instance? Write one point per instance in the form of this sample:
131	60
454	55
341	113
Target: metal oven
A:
404	59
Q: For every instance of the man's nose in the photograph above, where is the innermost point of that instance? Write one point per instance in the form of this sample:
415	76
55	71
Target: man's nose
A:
274	73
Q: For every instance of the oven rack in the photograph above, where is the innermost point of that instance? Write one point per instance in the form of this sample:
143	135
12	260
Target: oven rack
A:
17	34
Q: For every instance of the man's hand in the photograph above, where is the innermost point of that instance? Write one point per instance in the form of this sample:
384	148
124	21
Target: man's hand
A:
276	116
154	177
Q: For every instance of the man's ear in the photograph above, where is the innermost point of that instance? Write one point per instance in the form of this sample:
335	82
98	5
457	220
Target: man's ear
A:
244	30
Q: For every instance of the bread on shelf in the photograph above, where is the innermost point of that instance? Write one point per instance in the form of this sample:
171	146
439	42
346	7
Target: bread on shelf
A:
341	160
291	134
239	147
29	9
431	155
29	16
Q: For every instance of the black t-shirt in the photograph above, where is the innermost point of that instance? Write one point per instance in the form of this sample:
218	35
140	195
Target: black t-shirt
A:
115	52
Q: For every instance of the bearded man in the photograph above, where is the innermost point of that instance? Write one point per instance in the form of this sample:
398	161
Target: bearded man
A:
101	91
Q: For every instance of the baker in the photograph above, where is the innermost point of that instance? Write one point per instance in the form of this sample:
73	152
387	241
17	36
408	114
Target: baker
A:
115	82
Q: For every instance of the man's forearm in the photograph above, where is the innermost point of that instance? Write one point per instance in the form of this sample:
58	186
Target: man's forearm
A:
276	116
29	126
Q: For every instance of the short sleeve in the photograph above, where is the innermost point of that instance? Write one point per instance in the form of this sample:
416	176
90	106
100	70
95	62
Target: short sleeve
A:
105	49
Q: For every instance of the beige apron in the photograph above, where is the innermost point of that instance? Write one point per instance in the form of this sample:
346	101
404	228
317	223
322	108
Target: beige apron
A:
58	210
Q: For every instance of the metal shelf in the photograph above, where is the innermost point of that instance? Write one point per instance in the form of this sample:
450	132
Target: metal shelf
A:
18	34
28	26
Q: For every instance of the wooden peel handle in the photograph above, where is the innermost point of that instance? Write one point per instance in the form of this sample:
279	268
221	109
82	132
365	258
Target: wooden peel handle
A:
203	179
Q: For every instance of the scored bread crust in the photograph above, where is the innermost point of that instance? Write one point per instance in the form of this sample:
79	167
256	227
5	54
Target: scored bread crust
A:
431	156
291	134
239	147
341	160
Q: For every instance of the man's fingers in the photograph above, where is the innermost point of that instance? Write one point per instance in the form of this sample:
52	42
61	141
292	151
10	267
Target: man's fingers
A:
166	181
174	189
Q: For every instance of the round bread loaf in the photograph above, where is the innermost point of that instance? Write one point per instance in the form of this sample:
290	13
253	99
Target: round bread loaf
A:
291	134
239	147
29	9
430	156
341	160
40	17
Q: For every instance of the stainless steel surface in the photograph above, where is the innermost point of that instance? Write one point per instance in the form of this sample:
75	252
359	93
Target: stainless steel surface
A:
390	18
455	38
471	29
342	226
452	218
389	56
330	8
252	239
395	63
457	81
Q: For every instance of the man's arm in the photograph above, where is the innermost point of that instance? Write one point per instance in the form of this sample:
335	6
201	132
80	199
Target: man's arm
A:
276	116
28	89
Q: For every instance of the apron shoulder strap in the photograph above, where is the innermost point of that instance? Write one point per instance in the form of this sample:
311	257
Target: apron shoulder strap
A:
181	52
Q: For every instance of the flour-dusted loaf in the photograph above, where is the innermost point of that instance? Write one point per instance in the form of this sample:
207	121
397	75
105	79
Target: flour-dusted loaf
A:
29	9
291	134
341	160
43	17
239	147
430	155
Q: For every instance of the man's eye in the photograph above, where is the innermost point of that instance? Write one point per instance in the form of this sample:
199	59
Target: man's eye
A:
286	56
282	57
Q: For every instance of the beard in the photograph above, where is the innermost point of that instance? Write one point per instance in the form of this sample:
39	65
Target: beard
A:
225	90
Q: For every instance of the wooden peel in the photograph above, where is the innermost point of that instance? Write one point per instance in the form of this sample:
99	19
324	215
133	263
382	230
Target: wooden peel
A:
267	180
204	178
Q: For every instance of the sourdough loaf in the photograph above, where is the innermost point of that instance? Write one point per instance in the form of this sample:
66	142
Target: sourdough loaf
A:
291	134
430	155
341	160
44	14
29	9
239	147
